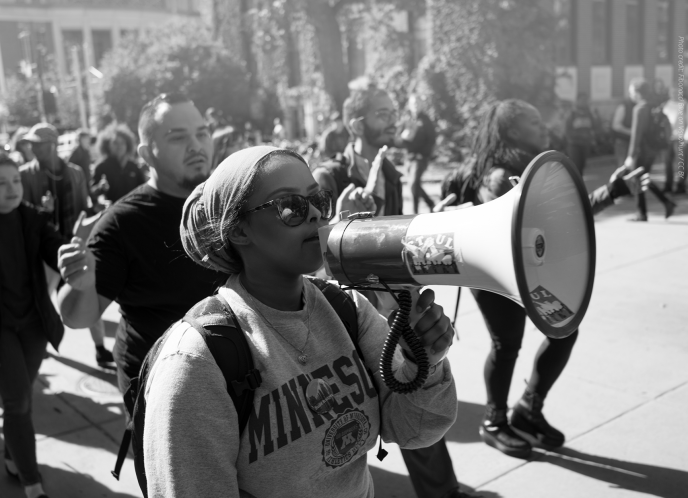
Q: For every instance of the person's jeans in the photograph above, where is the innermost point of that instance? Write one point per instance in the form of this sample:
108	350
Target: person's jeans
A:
669	158
505	322
416	167
579	155
620	151
21	355
647	162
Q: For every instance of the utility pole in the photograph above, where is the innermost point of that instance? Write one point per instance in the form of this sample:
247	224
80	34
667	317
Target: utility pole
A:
76	72
27	49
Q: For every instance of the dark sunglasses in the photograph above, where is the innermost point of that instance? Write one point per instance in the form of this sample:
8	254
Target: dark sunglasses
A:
293	209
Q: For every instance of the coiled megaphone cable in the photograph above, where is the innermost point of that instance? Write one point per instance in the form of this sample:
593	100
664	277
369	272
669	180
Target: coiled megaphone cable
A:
400	327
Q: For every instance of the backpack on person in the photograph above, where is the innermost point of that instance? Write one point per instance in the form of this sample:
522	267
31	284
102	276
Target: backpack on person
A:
658	134
461	183
215	321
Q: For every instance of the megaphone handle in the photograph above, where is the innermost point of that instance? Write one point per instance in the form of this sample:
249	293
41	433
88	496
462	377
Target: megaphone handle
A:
400	328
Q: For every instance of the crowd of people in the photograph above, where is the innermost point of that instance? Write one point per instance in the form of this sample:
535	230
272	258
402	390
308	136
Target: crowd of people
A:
214	216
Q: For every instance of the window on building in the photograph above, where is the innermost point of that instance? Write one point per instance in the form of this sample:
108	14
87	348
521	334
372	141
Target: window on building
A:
663	31
102	44
634	32
564	10
601	29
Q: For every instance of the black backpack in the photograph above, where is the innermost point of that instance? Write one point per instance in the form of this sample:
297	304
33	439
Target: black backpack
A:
658	134
215	321
460	182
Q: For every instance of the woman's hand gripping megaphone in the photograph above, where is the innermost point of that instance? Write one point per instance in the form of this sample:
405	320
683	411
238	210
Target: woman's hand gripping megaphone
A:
430	324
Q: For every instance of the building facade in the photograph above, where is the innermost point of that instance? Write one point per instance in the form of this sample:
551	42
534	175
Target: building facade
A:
603	44
33	30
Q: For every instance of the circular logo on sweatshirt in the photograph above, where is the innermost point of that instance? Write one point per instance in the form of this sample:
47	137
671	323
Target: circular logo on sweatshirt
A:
346	435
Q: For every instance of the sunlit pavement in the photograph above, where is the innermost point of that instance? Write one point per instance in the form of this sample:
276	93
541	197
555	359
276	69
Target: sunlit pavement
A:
621	401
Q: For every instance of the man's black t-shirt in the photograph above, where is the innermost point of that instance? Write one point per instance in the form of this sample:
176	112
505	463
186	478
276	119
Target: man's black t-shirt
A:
141	264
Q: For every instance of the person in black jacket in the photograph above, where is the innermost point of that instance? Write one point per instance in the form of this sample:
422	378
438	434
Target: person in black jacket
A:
418	138
28	320
117	174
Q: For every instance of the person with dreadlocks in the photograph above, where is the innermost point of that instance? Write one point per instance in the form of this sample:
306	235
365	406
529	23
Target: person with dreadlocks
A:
510	136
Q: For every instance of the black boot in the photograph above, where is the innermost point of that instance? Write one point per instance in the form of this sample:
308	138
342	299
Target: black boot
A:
496	432
527	417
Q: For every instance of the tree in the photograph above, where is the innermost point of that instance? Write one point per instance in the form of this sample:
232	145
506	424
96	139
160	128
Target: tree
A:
21	99
482	51
175	57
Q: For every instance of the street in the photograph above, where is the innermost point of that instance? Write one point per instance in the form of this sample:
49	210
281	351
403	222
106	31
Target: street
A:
621	400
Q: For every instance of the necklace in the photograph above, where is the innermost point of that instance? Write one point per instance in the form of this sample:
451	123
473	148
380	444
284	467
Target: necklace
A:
303	357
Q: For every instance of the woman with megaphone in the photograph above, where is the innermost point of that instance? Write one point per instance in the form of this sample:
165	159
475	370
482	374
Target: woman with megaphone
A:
319	403
510	136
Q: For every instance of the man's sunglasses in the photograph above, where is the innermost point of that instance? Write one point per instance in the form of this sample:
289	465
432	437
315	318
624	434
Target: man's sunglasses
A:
293	209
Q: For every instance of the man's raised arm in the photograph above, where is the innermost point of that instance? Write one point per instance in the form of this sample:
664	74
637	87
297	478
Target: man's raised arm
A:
79	302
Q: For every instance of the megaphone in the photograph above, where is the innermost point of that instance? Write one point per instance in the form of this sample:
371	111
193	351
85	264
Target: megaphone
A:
534	245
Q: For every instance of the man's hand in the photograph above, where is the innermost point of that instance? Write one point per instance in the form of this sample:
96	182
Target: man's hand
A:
84	226
77	264
48	202
629	178
103	186
355	200
431	325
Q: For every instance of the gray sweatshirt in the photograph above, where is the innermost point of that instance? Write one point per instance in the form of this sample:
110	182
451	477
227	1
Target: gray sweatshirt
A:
192	445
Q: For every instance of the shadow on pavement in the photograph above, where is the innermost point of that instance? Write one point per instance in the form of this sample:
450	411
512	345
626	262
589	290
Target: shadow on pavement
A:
104	374
393	485
468	418
649	479
64	482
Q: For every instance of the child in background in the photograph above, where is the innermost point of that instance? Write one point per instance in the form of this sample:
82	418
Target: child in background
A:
28	320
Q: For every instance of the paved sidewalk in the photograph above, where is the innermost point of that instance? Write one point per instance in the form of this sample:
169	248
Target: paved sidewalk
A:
622	400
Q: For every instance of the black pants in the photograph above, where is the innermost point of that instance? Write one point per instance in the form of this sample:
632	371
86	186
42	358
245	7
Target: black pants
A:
21	354
579	155
647	162
431	470
505	322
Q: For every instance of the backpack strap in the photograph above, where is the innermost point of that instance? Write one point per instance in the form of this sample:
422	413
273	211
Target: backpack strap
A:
343	305
215	321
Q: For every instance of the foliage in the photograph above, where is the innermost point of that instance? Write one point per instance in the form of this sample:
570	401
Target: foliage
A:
175	57
482	51
21	99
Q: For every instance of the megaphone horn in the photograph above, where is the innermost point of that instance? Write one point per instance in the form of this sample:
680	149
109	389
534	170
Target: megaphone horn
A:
534	245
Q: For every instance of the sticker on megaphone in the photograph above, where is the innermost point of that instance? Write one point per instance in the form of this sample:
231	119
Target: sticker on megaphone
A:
430	255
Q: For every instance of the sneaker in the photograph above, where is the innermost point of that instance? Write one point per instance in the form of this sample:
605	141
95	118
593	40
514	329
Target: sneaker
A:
495	431
638	217
527	418
104	357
